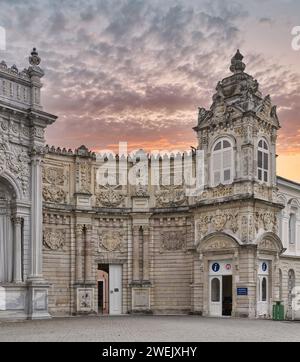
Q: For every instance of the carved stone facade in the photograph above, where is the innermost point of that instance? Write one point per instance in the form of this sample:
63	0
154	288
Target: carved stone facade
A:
151	248
22	124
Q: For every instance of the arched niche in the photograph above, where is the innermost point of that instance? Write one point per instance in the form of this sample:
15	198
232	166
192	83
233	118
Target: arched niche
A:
7	199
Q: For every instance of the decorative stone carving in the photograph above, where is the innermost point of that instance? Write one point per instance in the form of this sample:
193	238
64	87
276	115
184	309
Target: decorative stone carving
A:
173	240
85	177
216	221
216	192
54	194
141	190
110	240
16	160
85	299
267	244
265	220
34	59
54	239
53	175
261	191
218	244
169	196
110	196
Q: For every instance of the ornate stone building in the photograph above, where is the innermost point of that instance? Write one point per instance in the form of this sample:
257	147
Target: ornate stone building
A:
70	246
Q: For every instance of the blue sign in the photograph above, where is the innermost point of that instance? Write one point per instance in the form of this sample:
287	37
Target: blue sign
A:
215	267
264	266
242	291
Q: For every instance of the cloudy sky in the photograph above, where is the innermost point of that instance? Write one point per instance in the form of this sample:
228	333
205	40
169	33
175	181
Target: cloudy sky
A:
136	70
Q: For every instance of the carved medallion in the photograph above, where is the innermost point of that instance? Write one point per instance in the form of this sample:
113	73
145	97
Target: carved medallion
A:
54	239
110	240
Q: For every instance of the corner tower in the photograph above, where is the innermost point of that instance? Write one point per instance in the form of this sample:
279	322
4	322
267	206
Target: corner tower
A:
236	215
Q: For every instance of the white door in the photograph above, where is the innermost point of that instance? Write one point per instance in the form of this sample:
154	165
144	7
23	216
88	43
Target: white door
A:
215	296
115	289
263	289
262	302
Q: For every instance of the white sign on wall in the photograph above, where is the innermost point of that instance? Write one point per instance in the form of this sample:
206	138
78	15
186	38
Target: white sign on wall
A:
220	267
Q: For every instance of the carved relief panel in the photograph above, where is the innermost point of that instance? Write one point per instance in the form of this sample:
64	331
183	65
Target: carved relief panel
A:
173	240
110	241
54	180
15	160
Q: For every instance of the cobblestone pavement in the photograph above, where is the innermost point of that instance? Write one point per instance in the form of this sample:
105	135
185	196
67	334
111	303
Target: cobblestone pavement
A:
150	329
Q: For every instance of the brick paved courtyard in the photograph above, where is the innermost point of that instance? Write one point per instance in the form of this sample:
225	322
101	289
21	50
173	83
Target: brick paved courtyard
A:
150	329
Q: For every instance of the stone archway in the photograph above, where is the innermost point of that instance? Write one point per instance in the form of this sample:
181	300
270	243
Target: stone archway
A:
222	249
8	246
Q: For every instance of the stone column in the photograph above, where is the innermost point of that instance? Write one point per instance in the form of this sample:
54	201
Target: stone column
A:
136	254
36	216
17	225
78	260
88	254
146	235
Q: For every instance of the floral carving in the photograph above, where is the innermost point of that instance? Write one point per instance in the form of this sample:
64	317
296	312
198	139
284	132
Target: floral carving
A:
54	194
109	196
265	220
173	240
54	239
53	175
85	177
216	192
170	196
217	221
267	244
110	240
218	244
15	160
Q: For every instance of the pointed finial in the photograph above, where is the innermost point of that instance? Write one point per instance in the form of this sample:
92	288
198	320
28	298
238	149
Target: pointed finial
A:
34	59
237	66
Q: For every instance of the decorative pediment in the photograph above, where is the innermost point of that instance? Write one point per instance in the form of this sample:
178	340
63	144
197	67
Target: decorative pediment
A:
267	244
217	242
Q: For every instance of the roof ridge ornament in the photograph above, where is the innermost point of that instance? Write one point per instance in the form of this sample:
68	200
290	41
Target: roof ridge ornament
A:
237	66
34	59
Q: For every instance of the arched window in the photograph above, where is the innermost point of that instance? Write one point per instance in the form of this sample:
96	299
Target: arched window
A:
264	289
222	162
263	161
292	227
215	290
280	283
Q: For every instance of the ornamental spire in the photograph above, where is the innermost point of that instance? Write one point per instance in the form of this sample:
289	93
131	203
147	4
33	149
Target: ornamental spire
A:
237	66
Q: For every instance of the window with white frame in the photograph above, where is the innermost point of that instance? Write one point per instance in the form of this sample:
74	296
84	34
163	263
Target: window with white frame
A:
263	161
222	162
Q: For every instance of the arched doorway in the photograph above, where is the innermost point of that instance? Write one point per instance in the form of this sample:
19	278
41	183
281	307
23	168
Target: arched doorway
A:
11	236
6	233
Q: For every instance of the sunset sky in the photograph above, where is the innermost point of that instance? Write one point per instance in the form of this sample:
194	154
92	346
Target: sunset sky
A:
137	70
